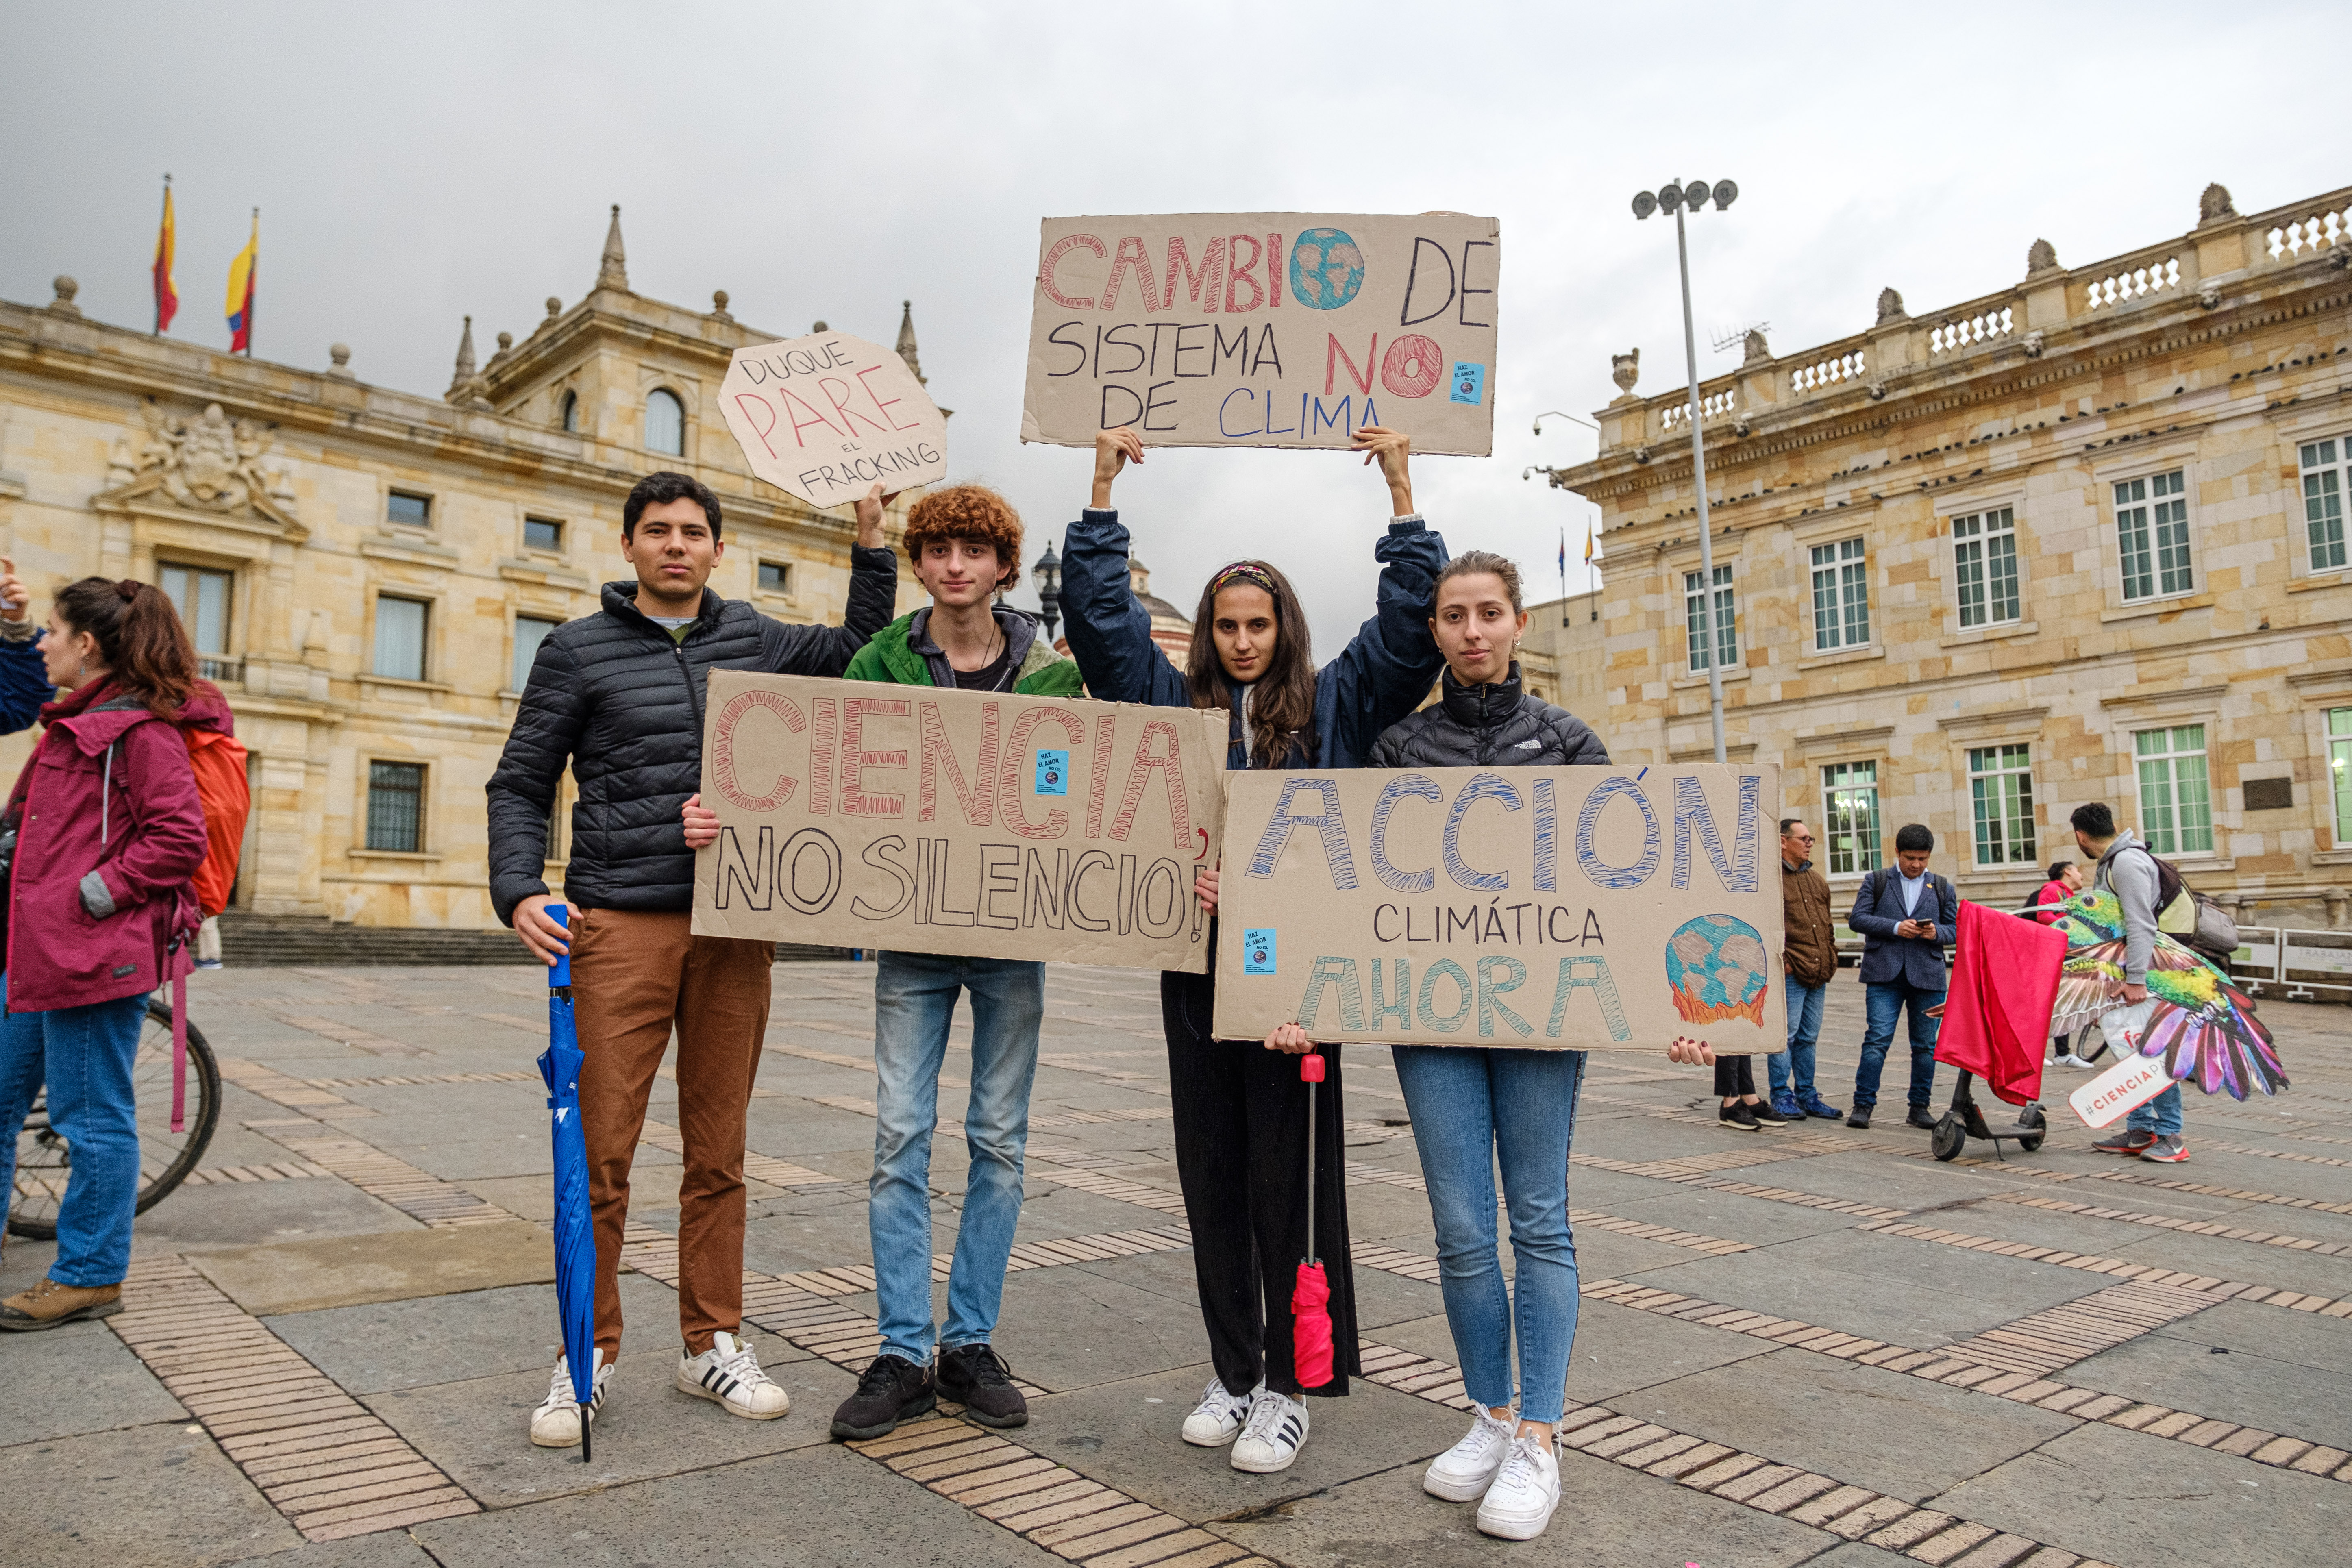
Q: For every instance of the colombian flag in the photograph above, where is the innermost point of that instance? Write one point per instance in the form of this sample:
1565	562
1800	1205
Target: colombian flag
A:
1587	544
167	296
240	292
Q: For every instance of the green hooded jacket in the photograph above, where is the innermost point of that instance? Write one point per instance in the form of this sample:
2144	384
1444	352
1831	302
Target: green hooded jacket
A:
903	652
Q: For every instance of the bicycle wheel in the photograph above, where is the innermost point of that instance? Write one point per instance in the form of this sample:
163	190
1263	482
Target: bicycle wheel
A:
44	1163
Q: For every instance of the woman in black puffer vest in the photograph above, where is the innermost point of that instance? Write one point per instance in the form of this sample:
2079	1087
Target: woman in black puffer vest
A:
1474	1107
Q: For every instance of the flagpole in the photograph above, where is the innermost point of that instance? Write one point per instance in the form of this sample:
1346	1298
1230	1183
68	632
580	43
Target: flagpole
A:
252	282
1563	575
159	220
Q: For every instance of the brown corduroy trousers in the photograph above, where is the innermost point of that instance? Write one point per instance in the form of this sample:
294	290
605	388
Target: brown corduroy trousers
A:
634	976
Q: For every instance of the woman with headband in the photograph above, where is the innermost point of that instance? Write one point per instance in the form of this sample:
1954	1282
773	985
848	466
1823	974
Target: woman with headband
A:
1240	1117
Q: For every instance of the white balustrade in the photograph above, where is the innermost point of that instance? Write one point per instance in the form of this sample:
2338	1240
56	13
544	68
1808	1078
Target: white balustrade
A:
1982	327
2136	284
1827	372
2290	241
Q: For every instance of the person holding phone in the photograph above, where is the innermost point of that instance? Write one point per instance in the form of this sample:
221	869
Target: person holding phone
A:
1906	915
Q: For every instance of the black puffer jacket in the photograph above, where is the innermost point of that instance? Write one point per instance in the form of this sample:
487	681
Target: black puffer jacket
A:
1495	725
616	697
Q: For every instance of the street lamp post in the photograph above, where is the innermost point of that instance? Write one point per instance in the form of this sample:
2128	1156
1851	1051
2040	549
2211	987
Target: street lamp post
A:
1047	575
1673	198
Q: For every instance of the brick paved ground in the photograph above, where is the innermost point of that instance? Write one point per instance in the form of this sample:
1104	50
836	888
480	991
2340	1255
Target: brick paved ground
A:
1799	1346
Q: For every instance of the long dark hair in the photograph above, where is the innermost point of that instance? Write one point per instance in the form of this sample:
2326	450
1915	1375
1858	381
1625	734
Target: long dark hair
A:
140	637
1281	706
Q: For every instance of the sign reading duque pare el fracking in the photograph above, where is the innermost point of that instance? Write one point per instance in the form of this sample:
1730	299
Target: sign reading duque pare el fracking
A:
1600	909
987	824
1265	329
828	416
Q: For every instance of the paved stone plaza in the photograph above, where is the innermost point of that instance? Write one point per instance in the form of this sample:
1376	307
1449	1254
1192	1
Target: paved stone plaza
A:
1812	1345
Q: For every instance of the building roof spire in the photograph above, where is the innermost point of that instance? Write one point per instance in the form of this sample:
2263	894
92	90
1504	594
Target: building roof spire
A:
612	269
906	344
465	372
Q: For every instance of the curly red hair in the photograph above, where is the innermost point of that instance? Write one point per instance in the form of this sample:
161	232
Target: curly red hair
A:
973	513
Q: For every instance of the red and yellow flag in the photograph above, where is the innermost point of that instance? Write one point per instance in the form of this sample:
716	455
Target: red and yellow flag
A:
167	296
240	292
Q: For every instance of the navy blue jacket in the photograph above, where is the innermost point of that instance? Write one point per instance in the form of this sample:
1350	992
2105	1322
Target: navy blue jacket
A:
1379	677
23	685
1918	961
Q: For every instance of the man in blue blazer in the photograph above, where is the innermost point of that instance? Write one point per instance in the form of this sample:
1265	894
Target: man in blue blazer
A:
1905	914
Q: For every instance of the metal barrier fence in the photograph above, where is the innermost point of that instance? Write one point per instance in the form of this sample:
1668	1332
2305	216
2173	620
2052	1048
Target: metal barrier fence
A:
2301	965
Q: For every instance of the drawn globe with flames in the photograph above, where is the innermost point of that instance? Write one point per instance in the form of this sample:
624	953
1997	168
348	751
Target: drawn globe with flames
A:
1718	969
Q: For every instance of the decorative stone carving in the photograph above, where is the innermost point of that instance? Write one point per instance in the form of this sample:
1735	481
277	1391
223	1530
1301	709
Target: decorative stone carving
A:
1756	350
63	305
205	463
1641	454
719	305
613	267
464	371
340	353
2041	256
905	346
2032	344
554	307
1625	369
2210	297
1877	390
1740	428
2214	205
1890	307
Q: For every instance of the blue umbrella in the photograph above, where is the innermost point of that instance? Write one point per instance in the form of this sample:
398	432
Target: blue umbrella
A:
575	1240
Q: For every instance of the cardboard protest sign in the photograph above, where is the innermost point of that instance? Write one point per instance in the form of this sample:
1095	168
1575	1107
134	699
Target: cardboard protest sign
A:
1600	909
854	814
824	417
1265	329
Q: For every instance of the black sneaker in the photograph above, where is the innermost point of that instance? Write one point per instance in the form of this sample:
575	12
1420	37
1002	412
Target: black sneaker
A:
1737	1117
976	1377
1859	1120
892	1390
1766	1113
1921	1117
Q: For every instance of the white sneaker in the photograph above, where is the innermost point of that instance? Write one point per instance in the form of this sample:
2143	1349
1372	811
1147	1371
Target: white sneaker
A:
1275	1431
1520	1501
556	1423
729	1373
2072	1060
1217	1419
1464	1471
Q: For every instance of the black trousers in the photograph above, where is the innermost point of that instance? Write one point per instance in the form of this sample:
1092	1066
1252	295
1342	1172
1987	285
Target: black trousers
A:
1734	1075
1241	1156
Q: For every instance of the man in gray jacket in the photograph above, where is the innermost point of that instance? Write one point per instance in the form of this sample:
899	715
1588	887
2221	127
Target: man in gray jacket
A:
2126	867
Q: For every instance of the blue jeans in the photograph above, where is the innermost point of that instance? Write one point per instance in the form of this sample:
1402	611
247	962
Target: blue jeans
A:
2160	1116
1804	1029
1886	1001
1470	1106
85	1055
914	999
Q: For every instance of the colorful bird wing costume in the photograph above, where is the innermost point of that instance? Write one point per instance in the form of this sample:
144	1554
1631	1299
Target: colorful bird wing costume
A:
2200	1023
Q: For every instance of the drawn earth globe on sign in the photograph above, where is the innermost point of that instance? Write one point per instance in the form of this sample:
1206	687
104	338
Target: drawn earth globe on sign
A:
1717	968
1327	267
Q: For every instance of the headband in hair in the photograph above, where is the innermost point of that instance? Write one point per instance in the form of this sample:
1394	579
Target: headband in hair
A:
1242	572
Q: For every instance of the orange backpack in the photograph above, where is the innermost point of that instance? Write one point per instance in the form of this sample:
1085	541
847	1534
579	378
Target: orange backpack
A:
218	761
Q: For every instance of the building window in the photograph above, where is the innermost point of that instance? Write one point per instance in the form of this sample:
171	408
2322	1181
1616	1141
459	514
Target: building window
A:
1840	596
400	639
2001	791
1726	618
530	632
2176	805
542	533
571	418
1850	817
2152	532
408	510
2323	483
1984	557
395	808
775	577
2340	772
202	599
665	423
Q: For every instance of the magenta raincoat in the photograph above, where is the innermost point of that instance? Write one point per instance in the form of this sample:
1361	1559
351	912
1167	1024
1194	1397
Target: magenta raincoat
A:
109	834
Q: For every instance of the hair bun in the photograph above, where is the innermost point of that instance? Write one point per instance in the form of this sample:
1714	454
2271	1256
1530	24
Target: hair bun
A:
129	588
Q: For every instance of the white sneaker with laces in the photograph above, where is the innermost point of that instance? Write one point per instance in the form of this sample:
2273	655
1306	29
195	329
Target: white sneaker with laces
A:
729	1373
1218	1419
1525	1491
2071	1061
1271	1438
556	1423
1464	1471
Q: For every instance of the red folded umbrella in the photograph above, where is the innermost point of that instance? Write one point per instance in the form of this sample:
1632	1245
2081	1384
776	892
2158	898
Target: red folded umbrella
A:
1310	1315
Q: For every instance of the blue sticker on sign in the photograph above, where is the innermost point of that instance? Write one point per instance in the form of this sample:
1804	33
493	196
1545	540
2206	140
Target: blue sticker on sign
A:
1257	952
1469	382
1053	773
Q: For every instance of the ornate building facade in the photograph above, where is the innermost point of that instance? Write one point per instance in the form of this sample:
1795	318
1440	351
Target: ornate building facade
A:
2081	539
367	572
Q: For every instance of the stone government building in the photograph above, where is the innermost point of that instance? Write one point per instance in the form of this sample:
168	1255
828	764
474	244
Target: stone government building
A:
2083	538
367	571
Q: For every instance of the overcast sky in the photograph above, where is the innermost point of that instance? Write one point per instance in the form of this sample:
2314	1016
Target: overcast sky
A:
420	163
